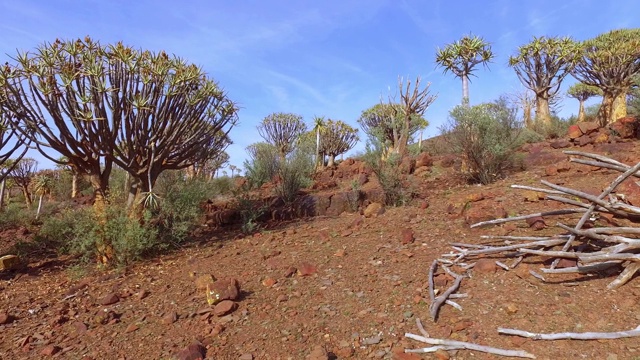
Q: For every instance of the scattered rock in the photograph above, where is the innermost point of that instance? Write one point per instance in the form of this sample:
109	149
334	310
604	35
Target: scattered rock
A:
344	352
220	290
246	357
170	318
475	197
290	271
318	353
50	350
306	269
588	127
406	236
142	294
536	223
560	144
574	132
269	282
424	205
203	280
566	263
225	307
485	266
442	354
584	140
110	299
626	127
5	318
194	351
131	328
9	262
511	308
340	253
80	327
373	210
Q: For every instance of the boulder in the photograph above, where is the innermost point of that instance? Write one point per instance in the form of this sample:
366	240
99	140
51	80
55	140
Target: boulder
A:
588	127
373	210
574	132
9	262
626	128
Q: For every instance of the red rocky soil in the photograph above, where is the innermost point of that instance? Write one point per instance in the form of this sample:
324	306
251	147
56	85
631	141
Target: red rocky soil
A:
333	287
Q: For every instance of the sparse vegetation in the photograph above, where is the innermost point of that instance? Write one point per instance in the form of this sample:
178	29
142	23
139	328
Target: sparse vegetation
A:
486	137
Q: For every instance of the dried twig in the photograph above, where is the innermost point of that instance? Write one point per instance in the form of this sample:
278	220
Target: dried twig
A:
570	335
458	345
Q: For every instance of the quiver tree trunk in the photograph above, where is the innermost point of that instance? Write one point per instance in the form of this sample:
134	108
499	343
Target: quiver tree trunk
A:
542	110
581	114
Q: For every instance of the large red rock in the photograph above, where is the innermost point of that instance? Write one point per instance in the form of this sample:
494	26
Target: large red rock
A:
228	289
225	307
588	127
574	132
626	128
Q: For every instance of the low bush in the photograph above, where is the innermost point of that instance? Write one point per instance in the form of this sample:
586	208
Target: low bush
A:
486	136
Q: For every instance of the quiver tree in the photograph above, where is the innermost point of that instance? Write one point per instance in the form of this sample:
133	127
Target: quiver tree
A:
414	102
525	100
282	130
337	138
541	65
22	175
582	92
42	185
610	62
383	122
318	127
461	58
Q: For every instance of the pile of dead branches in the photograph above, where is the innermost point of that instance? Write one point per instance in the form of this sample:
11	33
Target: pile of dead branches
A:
593	248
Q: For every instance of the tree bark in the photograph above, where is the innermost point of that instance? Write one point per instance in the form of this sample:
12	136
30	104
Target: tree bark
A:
620	106
542	110
332	161
39	206
581	115
526	113
605	114
3	186
465	90
27	196
105	254
74	185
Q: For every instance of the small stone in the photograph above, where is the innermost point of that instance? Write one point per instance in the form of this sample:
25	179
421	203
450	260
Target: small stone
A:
281	298
217	330
246	357
373	210
194	351
462	325
109	299
475	197
80	327
567	263
203	280
318	353
406	236
442	354
339	253
228	289
290	271
225	307
50	350
170	318
485	266
269	282
142	294
306	269
611	356
5	318
131	328
511	308
9	262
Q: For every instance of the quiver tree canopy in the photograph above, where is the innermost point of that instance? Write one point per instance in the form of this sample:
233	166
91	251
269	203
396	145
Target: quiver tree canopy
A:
384	121
541	65
337	138
461	58
582	92
282	130
99	105
610	62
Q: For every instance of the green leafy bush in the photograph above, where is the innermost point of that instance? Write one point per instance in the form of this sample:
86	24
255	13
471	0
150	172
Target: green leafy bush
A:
486	136
15	215
262	165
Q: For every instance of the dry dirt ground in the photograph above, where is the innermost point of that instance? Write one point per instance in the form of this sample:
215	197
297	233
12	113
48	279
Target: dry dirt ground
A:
360	284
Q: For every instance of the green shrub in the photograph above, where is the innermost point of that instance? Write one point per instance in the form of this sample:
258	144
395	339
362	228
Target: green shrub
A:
262	165
555	129
386	170
295	172
15	215
486	136
180	208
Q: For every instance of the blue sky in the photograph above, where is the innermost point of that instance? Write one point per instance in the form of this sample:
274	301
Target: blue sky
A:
330	58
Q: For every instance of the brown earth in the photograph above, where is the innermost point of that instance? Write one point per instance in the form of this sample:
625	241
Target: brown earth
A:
334	286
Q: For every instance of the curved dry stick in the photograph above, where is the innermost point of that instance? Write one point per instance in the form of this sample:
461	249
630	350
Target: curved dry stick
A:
440	299
625	276
596	157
